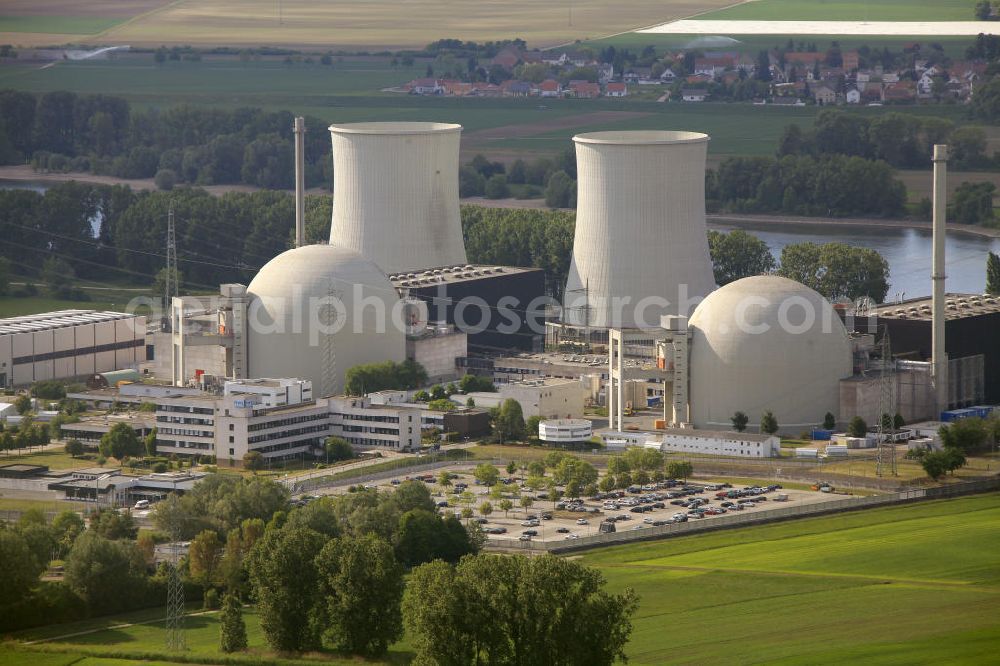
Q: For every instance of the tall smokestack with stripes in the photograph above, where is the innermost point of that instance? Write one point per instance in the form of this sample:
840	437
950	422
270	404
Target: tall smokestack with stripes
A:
939	355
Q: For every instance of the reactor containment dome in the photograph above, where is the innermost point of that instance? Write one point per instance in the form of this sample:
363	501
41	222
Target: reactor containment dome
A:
318	310
766	343
640	249
395	193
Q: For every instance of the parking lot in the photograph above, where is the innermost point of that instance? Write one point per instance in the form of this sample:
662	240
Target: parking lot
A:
636	508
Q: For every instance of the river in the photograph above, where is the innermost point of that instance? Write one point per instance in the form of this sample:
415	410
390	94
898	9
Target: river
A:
908	251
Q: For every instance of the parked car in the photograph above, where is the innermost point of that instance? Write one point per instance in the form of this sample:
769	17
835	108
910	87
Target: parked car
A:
141	504
529	523
563	530
582	521
530	533
524	537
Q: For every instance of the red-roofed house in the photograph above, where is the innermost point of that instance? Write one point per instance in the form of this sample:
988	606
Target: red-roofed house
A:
616	90
585	89
550	88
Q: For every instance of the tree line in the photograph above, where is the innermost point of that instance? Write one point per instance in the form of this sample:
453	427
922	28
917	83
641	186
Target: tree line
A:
901	140
104	134
328	574
51	237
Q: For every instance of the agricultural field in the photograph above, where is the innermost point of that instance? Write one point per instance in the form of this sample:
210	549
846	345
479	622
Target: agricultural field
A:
351	90
370	24
37	23
898	585
846	10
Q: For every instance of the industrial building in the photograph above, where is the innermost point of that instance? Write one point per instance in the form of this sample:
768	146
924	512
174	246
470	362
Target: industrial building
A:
498	307
565	431
972	329
548	398
369	426
68	344
720	443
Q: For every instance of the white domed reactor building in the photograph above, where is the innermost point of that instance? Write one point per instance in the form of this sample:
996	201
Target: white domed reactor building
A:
640	228
395	193
766	343
306	319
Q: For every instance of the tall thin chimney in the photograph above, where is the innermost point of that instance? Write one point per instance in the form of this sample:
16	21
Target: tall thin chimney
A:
939	356
300	180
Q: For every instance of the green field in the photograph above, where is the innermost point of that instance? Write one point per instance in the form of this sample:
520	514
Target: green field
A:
350	91
847	10
900	585
65	25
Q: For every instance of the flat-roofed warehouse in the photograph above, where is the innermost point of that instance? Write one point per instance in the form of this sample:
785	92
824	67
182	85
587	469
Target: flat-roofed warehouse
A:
69	343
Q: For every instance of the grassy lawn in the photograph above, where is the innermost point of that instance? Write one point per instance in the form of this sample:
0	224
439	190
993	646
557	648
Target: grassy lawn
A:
870	587
144	642
10	504
54	458
847	10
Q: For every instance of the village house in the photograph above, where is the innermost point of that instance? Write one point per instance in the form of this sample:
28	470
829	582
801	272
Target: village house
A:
616	90
605	72
694	95
900	93
550	88
585	89
515	88
853	95
425	87
824	95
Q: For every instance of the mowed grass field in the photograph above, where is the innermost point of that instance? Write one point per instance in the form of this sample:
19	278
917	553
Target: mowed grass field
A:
377	24
847	10
902	585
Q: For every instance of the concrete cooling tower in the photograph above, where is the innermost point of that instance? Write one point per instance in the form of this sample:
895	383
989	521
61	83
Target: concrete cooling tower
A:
395	194
640	228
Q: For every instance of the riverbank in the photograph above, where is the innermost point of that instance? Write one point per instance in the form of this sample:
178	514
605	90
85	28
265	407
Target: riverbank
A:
24	173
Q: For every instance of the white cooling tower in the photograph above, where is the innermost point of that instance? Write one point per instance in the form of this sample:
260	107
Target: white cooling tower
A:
395	194
640	249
